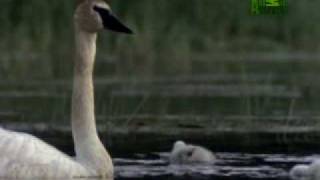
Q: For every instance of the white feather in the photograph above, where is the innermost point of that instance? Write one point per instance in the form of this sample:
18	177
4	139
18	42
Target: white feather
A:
26	156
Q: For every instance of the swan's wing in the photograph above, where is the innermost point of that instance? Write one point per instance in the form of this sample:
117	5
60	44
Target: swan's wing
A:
23	155
201	154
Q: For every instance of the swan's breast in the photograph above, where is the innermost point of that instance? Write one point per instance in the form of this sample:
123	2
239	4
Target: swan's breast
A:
25	156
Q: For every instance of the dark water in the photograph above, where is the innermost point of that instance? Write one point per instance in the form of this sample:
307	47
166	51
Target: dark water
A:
229	166
216	98
143	161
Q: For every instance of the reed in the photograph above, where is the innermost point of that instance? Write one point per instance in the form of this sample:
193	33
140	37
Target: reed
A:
170	35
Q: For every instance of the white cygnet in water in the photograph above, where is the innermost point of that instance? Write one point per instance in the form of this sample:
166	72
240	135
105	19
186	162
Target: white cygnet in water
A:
183	153
306	172
299	172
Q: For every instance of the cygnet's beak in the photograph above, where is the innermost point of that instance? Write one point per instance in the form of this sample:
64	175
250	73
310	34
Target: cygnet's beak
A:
111	22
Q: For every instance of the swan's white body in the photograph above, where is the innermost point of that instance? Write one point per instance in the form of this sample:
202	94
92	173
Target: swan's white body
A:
25	156
183	153
299	172
306	172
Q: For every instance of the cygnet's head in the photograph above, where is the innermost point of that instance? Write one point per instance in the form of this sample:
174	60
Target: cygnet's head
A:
299	172
181	153
178	145
94	15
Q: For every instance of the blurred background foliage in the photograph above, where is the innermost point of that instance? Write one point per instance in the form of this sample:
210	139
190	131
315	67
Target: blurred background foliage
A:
214	58
169	35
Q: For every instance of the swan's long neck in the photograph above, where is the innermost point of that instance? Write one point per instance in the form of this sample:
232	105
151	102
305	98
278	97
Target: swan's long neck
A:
83	119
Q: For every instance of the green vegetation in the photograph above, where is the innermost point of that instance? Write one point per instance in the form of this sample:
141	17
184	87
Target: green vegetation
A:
208	51
170	35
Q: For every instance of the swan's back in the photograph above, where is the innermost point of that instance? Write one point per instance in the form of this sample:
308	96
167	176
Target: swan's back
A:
300	172
25	156
202	155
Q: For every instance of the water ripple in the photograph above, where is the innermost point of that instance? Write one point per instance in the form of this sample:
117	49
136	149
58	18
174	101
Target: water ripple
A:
228	165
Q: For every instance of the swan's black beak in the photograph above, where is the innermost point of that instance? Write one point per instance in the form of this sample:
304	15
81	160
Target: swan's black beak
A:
111	22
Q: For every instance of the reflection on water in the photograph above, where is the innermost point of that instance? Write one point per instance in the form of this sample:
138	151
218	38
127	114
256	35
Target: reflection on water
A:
237	166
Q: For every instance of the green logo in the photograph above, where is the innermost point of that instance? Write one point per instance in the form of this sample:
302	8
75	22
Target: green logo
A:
273	7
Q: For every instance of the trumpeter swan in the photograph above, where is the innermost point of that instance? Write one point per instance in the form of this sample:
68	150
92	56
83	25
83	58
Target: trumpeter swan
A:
183	153
25	156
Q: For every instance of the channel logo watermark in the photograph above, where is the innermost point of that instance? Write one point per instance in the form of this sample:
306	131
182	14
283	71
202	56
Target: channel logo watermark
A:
269	7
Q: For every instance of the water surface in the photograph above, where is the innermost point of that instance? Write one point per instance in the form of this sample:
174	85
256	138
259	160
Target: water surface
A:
229	166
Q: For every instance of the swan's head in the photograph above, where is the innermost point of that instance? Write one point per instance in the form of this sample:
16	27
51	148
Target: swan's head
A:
299	172
179	145
94	15
181	153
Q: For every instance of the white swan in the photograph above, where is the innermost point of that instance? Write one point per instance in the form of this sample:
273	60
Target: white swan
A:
183	153
306	172
299	172
25	156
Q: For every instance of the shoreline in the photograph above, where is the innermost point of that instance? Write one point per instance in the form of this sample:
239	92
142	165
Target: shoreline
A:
151	139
